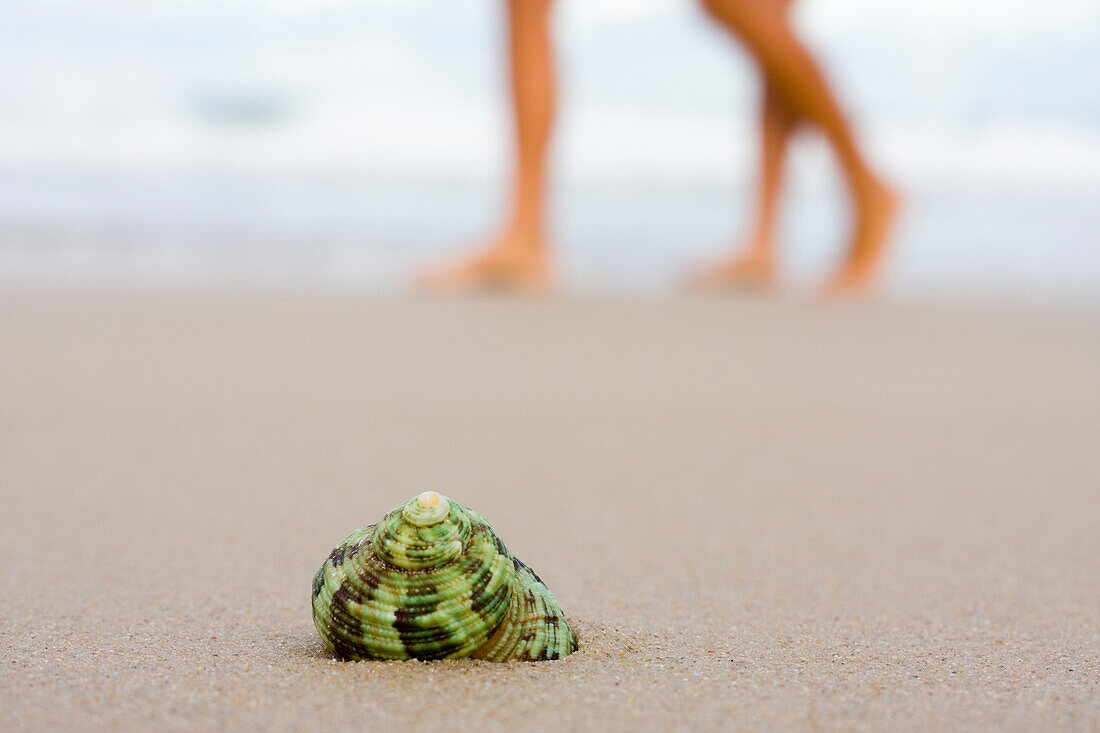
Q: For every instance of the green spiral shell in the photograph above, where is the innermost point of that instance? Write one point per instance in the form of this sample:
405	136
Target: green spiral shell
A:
432	580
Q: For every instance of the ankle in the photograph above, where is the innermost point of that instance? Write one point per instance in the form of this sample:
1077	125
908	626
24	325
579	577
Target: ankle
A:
522	234
758	247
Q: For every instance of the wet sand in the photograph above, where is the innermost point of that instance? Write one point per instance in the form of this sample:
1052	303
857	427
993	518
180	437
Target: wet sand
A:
756	514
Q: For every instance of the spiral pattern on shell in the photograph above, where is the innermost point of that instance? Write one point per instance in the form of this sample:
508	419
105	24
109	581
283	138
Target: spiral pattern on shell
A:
432	580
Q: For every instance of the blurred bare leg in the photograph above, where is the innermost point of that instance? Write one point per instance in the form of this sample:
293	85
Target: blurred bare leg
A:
792	72
518	256
753	261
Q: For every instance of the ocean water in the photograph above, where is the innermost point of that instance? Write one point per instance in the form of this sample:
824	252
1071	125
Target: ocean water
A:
371	235
339	143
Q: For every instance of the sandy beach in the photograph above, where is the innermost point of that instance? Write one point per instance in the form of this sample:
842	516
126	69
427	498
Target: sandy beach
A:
756	514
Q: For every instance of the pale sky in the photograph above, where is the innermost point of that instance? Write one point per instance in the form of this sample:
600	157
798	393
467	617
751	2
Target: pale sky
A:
992	89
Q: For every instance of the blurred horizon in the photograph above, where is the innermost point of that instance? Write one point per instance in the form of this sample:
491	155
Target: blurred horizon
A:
341	142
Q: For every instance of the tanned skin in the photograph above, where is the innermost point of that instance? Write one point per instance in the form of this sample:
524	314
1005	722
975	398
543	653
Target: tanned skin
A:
795	95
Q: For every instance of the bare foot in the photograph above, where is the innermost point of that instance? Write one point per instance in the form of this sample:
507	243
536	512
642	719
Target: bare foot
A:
753	269
861	270
508	263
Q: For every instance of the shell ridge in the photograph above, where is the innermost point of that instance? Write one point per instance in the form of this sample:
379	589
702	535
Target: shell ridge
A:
433	580
535	628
